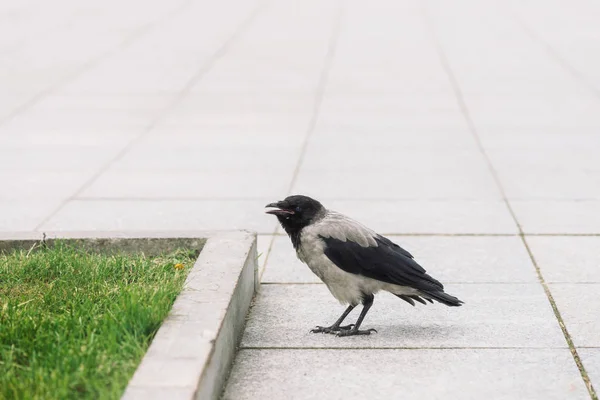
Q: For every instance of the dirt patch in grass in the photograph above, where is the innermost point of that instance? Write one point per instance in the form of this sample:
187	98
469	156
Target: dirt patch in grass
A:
74	324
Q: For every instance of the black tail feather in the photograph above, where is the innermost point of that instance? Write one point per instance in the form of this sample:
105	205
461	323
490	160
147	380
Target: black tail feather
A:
420	300
443	298
406	299
410	299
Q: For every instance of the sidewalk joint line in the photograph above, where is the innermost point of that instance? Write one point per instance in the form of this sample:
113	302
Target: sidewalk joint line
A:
269	250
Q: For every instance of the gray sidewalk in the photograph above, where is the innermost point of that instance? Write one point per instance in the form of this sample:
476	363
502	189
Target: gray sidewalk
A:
469	131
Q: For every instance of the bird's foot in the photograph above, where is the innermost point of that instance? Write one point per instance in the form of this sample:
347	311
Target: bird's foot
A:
332	329
353	332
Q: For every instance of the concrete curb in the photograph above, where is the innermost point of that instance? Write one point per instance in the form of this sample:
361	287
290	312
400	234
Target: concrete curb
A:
192	352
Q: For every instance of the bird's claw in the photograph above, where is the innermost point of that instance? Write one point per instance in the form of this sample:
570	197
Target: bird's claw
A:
332	329
353	332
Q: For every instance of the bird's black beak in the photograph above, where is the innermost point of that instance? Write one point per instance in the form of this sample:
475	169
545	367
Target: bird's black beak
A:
278	209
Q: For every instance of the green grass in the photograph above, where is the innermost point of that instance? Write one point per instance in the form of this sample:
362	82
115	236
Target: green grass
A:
75	324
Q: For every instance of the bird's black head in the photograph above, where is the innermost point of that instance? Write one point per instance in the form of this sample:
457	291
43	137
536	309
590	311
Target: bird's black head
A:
296	212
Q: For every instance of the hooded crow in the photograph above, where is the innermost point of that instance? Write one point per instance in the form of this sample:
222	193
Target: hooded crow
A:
353	261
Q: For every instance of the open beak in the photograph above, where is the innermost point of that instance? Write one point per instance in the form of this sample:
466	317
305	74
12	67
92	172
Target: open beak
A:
278	210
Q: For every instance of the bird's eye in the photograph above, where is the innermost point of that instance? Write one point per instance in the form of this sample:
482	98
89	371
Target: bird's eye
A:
298	209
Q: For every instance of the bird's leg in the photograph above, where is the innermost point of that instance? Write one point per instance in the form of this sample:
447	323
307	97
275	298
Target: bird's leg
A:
367	303
336	325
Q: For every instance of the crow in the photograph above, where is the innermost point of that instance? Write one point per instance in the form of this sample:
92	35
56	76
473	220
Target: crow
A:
353	261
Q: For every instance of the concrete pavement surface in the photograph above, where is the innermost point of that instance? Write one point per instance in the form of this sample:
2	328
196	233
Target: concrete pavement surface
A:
468	130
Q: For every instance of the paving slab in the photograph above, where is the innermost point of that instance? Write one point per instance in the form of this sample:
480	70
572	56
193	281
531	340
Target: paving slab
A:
523	183
499	374
389	103
50	158
385	83
281	121
428	216
166	214
353	180
378	122
153	64
494	315
394	120
166	183
582	112
218	103
551	139
547	216
38	185
567	259
72	119
283	265
10	103
556	26
204	157
25	215
578	305
134	104
568	107
242	73
419	139
55	139
548	159
378	157
166	137
451	259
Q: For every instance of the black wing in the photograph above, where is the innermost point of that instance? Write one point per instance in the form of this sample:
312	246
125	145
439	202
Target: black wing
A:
385	262
395	246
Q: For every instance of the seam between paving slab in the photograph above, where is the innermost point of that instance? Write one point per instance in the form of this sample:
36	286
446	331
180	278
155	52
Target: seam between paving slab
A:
263	268
471	125
93	62
204	68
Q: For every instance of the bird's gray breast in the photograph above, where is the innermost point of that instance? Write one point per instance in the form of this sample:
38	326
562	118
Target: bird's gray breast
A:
312	252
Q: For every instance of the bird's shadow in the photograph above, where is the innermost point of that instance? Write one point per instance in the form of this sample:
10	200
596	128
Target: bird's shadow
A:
407	335
419	332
